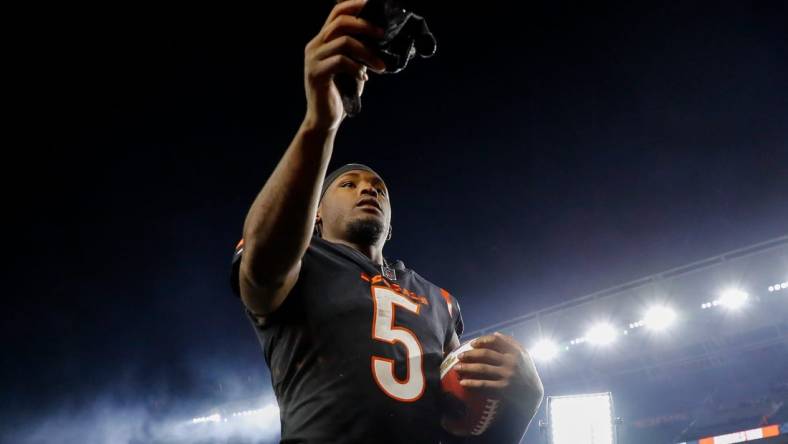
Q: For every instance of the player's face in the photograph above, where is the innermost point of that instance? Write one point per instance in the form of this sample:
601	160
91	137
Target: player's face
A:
356	200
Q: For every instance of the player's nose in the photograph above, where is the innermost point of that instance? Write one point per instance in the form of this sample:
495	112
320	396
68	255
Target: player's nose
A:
368	188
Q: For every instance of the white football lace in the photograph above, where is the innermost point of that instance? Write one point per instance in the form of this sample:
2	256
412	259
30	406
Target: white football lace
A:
488	414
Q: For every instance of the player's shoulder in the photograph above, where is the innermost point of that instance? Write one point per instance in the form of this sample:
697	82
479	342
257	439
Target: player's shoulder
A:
446	294
400	265
424	281
446	297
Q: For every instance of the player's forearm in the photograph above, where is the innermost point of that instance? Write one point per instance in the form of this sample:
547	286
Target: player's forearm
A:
279	223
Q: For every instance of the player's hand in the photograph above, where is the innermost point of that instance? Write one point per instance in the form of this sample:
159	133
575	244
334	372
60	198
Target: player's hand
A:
337	49
501	366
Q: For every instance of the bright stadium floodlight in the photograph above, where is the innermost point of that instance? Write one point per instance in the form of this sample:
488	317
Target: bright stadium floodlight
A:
212	418
659	318
545	350
778	287
602	334
266	414
269	413
733	298
581	419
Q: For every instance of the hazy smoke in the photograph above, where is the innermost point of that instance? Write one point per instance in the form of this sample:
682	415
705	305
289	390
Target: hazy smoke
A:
106	421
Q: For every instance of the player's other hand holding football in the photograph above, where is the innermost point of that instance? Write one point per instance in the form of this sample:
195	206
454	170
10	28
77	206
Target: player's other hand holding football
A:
499	365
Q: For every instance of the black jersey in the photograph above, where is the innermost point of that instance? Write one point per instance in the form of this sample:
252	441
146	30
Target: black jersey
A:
354	356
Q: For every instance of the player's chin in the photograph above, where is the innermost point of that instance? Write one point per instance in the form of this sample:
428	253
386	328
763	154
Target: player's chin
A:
370	214
365	229
369	219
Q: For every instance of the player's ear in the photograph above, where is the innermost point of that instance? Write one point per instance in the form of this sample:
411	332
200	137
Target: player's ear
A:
318	230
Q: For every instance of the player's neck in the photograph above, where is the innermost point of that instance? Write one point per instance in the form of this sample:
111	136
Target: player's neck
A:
373	252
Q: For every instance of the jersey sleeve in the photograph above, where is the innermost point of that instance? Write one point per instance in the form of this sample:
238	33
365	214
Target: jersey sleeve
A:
235	270
455	314
459	327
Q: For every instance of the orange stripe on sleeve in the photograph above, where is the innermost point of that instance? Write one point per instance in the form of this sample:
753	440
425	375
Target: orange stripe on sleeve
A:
447	297
772	430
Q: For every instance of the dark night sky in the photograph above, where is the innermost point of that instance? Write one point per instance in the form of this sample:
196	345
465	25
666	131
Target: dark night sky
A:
541	155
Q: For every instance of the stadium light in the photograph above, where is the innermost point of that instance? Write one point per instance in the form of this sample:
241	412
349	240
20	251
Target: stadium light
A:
212	418
602	334
581	419
545	350
659	318
269	413
778	287
733	299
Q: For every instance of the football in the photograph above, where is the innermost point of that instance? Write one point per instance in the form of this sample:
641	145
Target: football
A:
467	412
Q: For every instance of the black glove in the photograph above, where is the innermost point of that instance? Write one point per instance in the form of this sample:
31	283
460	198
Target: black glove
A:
406	36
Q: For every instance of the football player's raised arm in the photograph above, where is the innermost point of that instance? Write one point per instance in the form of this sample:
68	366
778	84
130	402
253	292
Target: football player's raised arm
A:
279	223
